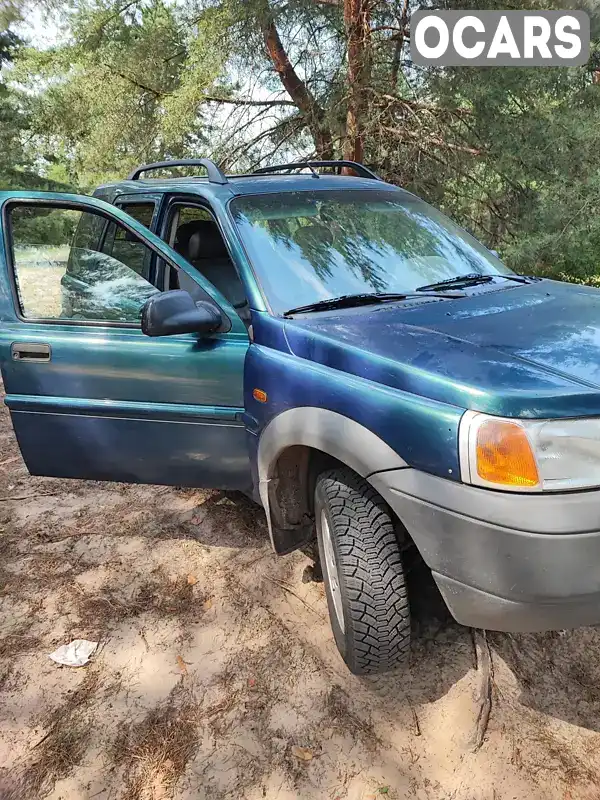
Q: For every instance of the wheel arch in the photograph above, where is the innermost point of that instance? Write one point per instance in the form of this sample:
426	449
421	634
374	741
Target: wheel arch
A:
294	447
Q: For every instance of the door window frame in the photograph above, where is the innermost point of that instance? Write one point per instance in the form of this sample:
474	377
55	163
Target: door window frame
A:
9	204
190	201
125	200
123	205
194	201
140	200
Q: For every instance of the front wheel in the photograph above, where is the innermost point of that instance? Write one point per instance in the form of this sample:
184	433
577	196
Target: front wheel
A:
364	577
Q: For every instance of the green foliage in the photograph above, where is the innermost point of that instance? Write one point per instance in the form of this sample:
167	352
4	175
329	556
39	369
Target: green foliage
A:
12	120
511	154
11	11
522	165
32	227
99	101
532	191
18	155
144	81
206	57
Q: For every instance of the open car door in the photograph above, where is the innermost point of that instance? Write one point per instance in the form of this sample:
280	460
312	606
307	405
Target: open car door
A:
90	396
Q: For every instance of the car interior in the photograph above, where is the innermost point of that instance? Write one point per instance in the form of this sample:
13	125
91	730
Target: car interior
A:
200	242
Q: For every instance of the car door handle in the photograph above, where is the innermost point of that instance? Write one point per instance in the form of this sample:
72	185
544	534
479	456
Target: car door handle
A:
30	351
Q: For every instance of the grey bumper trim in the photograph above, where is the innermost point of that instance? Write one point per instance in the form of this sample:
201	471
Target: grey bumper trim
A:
503	561
478	609
575	512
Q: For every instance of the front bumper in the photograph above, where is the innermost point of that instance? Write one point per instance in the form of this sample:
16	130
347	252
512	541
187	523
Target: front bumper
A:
507	562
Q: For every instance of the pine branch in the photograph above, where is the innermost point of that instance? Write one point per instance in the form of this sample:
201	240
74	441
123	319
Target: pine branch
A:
134	81
112	16
245	147
434	109
294	130
434	140
237	101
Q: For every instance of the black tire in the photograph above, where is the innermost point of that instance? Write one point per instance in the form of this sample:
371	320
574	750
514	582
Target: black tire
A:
375	636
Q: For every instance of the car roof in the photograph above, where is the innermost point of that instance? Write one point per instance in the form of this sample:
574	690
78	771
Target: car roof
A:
244	185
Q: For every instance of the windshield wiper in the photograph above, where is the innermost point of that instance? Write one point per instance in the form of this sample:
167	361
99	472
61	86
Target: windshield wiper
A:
472	279
370	298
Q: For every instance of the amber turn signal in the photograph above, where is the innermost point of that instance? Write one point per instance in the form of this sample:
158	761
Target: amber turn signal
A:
504	455
260	395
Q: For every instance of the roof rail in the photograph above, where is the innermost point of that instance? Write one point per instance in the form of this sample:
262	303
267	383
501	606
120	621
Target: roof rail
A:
214	173
360	169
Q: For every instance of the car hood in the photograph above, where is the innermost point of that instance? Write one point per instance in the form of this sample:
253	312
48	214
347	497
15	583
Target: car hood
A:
525	350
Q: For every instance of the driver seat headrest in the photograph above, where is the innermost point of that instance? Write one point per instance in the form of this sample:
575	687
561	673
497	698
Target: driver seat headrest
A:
200	240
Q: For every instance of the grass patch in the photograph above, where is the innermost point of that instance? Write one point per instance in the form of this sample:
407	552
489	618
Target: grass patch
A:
157	594
61	748
155	751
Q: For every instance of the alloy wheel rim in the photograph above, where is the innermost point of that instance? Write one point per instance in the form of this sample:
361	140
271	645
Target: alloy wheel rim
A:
332	571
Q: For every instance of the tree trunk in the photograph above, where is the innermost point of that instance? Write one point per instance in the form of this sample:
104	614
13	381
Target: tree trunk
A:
399	45
358	33
296	88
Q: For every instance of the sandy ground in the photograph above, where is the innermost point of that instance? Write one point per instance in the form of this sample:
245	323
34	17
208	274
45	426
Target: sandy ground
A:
217	676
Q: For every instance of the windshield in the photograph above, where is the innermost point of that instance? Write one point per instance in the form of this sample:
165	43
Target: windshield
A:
311	246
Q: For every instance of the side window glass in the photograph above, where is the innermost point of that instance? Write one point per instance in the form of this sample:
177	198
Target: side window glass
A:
61	271
192	214
198	239
142	212
125	247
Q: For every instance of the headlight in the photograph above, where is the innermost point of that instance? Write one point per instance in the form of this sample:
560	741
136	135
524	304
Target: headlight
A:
526	455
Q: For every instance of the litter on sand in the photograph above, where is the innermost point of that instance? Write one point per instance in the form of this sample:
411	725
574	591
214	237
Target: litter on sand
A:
75	654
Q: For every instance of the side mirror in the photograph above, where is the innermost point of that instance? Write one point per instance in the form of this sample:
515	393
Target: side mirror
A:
173	312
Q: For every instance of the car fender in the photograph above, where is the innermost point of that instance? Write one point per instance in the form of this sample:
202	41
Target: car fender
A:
328	432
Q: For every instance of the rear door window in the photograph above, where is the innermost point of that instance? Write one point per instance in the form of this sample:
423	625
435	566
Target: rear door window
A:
142	212
123	246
